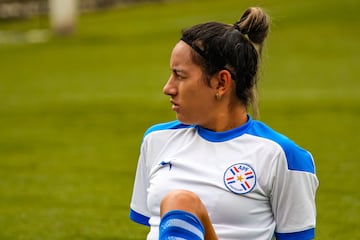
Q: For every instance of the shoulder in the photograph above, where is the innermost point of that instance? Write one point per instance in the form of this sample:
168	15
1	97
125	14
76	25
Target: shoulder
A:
298	158
165	136
262	130
173	125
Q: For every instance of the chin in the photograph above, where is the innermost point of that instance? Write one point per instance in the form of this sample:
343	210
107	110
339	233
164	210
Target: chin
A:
185	120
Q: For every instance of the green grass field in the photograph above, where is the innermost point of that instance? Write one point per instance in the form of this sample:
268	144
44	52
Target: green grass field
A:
73	111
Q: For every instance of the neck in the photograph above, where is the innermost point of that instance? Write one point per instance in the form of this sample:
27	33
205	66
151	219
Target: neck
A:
227	120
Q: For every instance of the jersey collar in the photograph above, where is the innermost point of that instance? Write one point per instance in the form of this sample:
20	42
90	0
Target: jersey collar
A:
226	135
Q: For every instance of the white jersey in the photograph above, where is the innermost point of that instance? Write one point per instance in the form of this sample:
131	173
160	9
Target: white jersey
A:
253	181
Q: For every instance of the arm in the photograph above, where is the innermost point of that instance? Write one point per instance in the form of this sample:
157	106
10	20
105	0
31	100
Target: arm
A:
293	195
138	206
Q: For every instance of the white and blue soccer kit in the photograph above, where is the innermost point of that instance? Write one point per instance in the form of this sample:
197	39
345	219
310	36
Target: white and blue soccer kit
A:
254	182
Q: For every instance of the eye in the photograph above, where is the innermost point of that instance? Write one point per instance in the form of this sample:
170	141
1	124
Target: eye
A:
178	75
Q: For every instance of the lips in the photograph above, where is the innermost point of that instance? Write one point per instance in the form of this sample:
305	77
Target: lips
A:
175	106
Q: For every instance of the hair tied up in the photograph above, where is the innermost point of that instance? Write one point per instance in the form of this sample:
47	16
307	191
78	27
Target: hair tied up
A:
237	27
254	23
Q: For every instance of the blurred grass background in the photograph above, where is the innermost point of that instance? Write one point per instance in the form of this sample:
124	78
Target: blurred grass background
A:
73	110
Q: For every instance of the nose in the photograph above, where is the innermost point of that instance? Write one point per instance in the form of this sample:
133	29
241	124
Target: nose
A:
169	88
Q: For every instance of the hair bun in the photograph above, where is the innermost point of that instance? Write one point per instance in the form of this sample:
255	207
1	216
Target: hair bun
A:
254	23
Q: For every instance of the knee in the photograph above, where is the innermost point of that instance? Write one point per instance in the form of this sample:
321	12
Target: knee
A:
182	200
179	197
189	202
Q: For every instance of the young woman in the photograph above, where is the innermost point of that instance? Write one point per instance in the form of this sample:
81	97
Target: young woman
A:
215	172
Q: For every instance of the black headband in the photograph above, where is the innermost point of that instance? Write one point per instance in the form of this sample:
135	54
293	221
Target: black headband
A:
216	62
196	48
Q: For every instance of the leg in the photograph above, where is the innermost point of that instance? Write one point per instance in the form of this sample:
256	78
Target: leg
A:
191	208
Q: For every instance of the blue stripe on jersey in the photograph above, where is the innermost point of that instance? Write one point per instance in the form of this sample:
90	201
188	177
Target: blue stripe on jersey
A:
303	235
298	159
139	218
165	126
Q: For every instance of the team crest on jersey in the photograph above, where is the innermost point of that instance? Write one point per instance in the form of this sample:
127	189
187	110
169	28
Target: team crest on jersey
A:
240	178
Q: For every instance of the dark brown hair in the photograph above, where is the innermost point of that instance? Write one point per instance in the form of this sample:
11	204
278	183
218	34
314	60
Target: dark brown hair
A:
236	48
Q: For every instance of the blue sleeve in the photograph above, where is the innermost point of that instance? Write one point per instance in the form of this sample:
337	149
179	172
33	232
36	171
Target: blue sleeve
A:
139	218
303	235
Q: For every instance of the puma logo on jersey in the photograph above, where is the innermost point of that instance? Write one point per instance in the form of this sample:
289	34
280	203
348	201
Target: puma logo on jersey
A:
164	163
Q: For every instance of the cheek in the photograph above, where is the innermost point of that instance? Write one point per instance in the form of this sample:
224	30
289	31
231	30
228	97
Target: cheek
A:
199	103
196	97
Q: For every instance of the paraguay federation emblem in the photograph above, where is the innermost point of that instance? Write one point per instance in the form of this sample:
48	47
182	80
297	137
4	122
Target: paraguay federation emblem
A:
240	178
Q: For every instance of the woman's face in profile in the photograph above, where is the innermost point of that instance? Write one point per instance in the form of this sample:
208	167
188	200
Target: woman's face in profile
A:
191	97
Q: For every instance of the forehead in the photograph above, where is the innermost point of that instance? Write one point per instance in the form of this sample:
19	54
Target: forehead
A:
181	55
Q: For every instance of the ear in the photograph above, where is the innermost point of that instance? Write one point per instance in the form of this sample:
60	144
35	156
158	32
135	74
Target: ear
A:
223	81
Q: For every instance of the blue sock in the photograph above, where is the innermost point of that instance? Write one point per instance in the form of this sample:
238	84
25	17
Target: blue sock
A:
178	224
